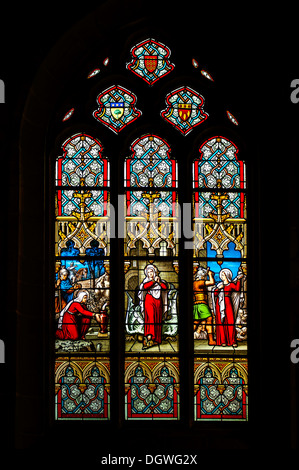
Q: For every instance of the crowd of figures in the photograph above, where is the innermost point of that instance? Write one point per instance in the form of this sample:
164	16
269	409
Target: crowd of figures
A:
218	313
76	305
217	309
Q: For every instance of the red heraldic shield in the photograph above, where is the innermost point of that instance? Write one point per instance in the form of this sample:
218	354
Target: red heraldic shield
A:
184	111
150	62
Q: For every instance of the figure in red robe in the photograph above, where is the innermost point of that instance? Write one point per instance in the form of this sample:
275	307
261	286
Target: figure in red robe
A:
74	319
153	300
226	302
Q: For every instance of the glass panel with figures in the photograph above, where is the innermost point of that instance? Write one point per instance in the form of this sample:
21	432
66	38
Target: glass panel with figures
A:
220	282
81	313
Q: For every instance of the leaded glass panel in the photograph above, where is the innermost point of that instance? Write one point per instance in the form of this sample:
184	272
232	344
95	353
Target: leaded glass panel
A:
150	61
82	279
220	280
152	389
82	389
151	281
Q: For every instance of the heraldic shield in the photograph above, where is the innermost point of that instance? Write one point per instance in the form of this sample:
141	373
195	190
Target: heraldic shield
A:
116	108
184	109
150	60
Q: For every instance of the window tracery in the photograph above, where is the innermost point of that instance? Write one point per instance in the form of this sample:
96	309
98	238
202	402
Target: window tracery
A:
150	61
116	108
151	259
184	109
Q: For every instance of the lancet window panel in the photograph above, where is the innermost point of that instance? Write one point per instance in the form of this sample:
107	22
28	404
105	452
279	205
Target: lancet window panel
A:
82	279
151	280
220	313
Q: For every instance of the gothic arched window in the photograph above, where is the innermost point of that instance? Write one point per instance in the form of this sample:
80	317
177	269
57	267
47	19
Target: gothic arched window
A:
127	338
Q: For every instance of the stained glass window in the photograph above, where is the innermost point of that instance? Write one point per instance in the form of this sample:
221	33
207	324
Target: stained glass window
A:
151	281
219	282
82	287
150	309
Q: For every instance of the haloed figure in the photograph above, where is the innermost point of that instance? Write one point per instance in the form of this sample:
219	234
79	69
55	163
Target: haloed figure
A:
153	301
202	316
227	298
74	319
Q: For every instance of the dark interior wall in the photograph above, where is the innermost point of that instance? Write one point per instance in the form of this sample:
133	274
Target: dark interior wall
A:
254	65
